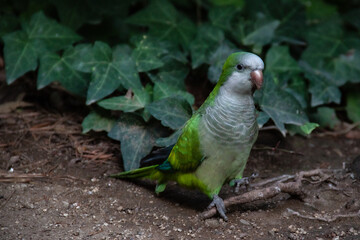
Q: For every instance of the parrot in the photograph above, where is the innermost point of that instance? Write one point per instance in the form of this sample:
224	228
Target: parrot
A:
215	143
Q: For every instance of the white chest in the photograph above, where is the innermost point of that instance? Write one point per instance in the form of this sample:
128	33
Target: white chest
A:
229	125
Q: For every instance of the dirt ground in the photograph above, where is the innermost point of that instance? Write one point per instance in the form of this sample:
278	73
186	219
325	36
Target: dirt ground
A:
54	183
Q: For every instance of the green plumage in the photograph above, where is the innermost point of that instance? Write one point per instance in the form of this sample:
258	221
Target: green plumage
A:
216	141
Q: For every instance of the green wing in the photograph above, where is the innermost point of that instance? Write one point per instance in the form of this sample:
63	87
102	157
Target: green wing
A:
186	154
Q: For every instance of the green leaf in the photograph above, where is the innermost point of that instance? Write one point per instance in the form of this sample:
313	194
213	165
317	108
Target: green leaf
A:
206	41
222	16
97	122
298	88
278	60
148	52
165	22
280	105
170	140
318	11
164	90
325	117
20	55
136	137
217	60
261	35
127	103
56	68
262	118
173	112
108	74
352	106
325	40
304	130
172	73
322	85
23	48
347	67
51	34
83	59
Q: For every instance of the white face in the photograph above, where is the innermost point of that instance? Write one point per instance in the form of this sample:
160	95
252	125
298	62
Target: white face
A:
239	82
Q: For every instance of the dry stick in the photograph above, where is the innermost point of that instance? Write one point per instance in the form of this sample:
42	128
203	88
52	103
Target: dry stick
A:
292	188
259	194
338	133
324	219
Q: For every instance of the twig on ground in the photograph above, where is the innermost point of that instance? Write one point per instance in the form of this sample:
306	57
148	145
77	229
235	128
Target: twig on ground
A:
28	177
8	199
324	218
279	185
340	132
277	149
20	177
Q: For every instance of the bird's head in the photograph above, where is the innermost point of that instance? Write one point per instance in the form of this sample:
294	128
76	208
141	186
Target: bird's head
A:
242	73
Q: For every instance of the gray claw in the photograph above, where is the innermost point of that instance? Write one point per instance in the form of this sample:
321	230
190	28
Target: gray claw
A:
220	207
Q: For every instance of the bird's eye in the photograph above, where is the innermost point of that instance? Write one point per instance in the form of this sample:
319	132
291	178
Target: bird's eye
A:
240	67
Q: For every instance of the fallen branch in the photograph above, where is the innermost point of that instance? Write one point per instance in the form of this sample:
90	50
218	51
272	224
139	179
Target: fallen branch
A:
28	177
279	185
340	132
20	177
324	218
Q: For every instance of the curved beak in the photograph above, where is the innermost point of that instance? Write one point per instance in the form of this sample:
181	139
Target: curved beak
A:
257	78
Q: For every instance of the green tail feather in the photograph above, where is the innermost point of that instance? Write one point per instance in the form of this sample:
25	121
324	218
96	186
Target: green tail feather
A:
137	173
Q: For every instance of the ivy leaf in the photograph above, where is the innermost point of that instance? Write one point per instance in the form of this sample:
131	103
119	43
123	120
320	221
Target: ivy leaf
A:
322	86
303	130
108	74
325	117
164	90
137	139
23	48
20	55
165	22
57	68
172	73
221	16
206	41
217	60
170	140
148	52
262	118
127	103
298	88
51	34
278	60
325	40
83	59
280	105
352	106
97	122
347	67
261	35
173	112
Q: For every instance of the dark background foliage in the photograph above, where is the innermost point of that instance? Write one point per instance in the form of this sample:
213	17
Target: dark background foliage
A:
140	59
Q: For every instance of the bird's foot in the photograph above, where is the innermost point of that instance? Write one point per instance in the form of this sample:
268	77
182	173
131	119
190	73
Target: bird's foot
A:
220	207
243	181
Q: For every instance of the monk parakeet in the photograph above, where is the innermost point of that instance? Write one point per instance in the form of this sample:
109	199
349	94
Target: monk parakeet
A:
215	142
